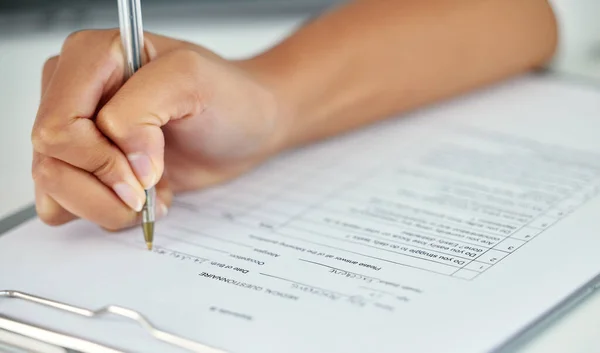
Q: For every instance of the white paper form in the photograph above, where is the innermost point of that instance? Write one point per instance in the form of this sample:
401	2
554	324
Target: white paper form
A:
445	231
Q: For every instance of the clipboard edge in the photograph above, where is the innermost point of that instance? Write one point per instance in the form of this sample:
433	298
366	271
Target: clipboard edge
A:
552	316
17	218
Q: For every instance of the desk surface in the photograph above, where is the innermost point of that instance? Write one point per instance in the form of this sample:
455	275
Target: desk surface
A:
21	59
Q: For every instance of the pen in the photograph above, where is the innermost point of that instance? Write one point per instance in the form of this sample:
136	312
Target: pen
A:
132	38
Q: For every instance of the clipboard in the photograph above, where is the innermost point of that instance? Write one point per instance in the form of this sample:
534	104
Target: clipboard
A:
26	335
21	336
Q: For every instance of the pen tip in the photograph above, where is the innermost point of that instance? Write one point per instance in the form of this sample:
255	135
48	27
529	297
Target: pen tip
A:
148	234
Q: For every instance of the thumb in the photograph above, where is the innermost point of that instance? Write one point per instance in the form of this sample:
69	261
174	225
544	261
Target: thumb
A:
165	89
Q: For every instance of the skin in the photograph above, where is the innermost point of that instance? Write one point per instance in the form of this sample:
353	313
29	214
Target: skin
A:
190	119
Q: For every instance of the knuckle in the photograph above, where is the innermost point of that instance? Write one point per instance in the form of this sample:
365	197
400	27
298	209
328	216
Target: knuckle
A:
87	37
186	56
78	37
46	140
190	65
45	172
49	65
193	78
109	124
194	69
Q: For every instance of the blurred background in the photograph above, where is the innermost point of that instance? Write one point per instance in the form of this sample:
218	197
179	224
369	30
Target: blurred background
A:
33	30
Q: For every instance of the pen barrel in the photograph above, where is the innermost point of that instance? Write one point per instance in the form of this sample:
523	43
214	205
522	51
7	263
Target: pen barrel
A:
132	34
148	213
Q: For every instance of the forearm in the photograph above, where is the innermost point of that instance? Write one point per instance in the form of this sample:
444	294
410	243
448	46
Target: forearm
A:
371	59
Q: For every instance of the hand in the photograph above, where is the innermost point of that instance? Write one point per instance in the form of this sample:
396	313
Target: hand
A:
187	119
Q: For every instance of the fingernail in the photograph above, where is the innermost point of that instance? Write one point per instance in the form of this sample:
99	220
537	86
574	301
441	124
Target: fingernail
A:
129	196
143	169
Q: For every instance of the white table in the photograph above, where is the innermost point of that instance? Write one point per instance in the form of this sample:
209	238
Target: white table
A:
21	59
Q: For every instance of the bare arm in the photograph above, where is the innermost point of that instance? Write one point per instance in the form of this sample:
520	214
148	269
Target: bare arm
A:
189	119
369	59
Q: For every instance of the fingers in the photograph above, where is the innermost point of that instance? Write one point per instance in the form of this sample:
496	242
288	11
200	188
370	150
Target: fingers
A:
89	69
81	145
90	65
47	209
81	194
79	171
164	90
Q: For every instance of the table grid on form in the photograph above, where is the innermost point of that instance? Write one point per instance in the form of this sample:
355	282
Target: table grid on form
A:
430	214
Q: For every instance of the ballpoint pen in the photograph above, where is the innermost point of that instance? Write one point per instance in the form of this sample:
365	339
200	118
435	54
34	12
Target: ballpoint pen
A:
132	38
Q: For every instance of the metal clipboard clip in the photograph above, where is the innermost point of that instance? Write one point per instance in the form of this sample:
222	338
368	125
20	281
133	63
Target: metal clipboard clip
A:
20	336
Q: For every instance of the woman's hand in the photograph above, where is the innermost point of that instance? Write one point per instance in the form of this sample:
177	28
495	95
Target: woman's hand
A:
187	119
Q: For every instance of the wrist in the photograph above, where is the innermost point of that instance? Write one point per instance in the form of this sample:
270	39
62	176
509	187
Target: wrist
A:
272	75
